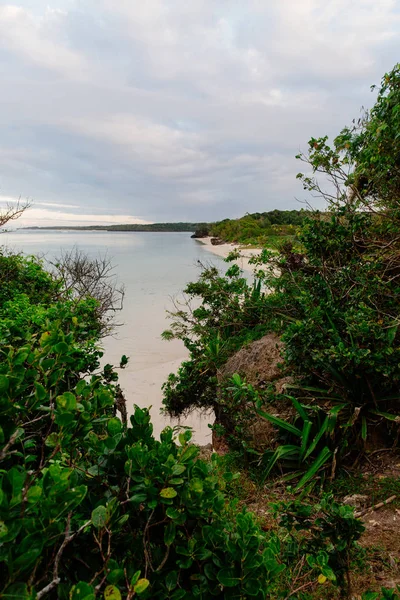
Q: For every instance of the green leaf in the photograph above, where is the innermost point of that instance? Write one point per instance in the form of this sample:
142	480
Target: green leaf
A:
189	452
317	438
178	469
168	493
364	428
82	591
173	513
252	587
40	391
141	586
99	517
304	438
135	578
66	402
171	580
34	494
169	533
228	578
114	426
112	593
196	485
61	348
385	415
3	529
324	455
4	383
280	452
280	423
138	498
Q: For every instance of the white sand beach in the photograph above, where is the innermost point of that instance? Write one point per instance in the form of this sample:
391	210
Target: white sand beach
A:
224	249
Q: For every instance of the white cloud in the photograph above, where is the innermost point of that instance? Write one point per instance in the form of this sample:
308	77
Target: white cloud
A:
47	217
174	110
36	40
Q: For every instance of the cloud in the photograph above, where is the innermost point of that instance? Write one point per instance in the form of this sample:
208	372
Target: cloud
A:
33	39
179	111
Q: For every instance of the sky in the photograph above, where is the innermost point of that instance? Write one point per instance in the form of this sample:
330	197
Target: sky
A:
123	111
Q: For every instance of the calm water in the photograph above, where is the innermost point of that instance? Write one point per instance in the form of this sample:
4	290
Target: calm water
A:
154	268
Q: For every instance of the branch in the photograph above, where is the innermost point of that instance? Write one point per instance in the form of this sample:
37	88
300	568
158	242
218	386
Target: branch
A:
67	539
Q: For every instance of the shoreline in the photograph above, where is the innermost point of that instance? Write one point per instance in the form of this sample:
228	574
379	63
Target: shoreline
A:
223	250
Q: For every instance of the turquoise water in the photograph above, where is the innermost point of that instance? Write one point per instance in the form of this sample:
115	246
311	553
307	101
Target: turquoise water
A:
154	268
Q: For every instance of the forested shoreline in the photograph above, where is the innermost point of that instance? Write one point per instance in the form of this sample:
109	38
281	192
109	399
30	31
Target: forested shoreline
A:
300	367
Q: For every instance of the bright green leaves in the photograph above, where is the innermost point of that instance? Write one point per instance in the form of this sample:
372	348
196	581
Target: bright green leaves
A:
66	402
168	493
196	485
82	591
141	586
114	426
112	593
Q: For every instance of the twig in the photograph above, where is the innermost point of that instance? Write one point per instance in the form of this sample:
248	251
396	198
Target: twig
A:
302	587
67	538
361	513
10	442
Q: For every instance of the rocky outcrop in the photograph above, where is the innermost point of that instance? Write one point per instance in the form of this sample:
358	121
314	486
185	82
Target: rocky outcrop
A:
258	362
261	365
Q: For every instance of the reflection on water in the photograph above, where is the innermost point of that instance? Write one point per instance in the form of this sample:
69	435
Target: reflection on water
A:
154	268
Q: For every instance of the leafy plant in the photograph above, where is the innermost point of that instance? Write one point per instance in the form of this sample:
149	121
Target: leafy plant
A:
332	532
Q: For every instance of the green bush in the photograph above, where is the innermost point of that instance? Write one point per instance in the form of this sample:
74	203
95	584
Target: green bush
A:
90	506
87	503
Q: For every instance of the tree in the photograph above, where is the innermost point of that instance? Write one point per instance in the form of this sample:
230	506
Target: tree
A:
13	211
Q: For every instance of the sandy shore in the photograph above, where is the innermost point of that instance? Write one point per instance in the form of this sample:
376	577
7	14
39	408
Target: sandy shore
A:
224	249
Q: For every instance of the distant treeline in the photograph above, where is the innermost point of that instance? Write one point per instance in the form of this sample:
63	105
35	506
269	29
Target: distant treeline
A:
151	227
254	228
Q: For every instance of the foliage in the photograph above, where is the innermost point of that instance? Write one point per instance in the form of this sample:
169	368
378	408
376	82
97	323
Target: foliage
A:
88	503
269	228
91	507
330	543
384	594
335	303
219	314
25	275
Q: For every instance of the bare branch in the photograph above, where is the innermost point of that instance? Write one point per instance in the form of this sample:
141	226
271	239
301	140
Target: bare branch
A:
13	211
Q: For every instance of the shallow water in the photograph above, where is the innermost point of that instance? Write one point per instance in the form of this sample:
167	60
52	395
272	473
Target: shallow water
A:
154	268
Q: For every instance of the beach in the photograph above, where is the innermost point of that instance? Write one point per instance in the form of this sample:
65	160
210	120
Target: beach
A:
223	250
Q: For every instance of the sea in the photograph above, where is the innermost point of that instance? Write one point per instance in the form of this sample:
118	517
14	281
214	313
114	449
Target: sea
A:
154	269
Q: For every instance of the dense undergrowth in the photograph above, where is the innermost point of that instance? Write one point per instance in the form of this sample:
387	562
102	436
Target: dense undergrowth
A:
261	229
93	506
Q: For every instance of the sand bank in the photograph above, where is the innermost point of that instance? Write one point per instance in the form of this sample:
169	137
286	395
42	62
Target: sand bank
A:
224	249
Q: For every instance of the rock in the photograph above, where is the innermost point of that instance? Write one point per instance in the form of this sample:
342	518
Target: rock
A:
216	241
356	500
259	363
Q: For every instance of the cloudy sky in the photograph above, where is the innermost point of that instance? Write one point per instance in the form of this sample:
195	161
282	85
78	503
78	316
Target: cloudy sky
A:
168	110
